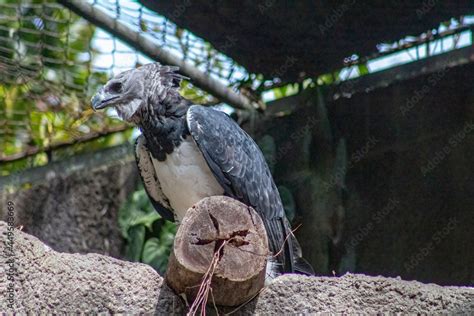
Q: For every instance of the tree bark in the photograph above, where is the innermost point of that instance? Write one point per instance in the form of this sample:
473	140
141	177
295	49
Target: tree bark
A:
236	233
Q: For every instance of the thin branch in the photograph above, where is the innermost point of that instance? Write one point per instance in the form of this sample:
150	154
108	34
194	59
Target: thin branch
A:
86	138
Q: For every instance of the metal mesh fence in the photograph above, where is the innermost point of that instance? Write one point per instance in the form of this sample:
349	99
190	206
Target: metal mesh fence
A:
52	61
43	66
176	40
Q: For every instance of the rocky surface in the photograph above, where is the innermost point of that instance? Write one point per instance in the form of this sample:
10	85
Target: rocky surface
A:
72	204
47	281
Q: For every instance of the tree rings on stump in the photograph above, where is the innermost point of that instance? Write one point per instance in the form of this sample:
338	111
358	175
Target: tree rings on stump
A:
240	272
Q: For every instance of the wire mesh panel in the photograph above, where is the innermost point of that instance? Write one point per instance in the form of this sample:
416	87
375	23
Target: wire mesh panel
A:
176	40
52	61
47	77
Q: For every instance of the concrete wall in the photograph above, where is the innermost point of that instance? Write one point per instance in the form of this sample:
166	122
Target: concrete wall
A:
72	205
423	163
407	198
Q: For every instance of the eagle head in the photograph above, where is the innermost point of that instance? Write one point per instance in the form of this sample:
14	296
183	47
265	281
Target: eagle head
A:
132	90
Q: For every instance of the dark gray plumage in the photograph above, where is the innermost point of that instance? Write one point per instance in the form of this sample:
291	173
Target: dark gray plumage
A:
240	168
199	149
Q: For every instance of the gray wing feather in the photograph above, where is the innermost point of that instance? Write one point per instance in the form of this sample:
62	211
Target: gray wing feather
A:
240	168
152	185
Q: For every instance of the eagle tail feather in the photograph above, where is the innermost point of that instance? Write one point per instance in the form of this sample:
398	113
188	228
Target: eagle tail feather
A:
302	266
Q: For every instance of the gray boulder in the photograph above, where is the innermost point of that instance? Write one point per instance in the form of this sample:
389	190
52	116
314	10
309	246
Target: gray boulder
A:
48	282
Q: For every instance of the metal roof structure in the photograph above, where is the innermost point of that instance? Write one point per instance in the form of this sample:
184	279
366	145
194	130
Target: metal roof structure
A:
294	39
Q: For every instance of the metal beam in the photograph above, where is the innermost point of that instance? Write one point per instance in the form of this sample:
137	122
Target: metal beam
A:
156	52
424	66
382	79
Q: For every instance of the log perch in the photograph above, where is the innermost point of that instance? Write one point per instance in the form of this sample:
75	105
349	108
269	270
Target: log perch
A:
223	223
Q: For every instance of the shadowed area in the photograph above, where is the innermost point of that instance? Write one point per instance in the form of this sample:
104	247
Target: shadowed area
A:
311	37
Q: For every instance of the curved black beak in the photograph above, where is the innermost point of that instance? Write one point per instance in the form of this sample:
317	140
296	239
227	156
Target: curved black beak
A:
102	99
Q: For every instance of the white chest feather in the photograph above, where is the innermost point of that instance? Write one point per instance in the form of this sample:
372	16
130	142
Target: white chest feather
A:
186	178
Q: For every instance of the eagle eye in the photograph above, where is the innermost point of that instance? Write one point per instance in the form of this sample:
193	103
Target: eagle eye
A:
115	87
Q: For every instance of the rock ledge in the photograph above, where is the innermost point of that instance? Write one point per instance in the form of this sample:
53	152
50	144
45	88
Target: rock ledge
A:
51	282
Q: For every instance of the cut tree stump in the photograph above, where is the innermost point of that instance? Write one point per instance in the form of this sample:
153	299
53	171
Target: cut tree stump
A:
54	283
223	223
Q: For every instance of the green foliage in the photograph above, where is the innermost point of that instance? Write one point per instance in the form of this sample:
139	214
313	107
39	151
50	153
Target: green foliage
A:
156	250
286	91
326	79
198	96
149	237
363	69
46	82
135	240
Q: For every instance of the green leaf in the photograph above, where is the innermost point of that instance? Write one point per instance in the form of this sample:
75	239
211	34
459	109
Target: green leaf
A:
135	242
280	92
143	26
137	211
146	220
326	79
363	70
155	253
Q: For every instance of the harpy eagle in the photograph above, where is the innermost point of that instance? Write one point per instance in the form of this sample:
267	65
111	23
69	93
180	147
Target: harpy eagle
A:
188	152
